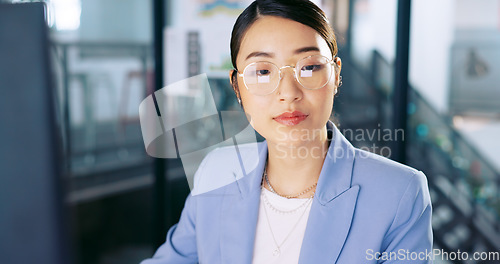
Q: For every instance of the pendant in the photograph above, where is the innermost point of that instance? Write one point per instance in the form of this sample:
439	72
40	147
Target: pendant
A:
276	252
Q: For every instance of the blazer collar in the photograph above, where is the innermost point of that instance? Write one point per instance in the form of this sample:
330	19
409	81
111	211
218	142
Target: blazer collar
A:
251	181
338	161
336	174
333	208
331	213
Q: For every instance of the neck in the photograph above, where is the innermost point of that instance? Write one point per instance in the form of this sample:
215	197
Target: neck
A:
293	168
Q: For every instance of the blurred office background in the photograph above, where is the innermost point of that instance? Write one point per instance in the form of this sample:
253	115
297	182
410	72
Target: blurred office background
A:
438	79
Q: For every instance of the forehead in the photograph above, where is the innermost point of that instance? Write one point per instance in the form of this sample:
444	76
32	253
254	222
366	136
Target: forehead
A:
280	36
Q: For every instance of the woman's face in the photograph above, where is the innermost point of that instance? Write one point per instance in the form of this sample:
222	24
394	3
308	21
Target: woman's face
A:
291	114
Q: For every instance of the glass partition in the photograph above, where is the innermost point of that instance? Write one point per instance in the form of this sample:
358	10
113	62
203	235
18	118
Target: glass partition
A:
453	118
103	63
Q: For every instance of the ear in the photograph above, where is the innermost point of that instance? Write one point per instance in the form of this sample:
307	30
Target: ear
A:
231	72
338	68
233	79
338	61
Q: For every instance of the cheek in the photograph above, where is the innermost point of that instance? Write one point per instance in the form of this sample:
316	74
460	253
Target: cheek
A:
255	106
328	93
326	96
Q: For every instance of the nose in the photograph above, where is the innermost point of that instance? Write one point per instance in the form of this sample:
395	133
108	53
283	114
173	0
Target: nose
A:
289	89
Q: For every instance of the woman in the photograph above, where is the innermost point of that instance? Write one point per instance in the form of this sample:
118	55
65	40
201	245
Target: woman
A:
311	196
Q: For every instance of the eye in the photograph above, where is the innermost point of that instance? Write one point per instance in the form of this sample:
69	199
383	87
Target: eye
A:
262	72
312	67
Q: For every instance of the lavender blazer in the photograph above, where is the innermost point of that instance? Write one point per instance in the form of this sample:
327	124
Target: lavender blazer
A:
367	209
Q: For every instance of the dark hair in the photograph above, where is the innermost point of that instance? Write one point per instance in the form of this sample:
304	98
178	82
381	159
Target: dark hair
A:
302	11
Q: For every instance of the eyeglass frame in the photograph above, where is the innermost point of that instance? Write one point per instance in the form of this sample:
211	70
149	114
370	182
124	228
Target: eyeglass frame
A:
331	62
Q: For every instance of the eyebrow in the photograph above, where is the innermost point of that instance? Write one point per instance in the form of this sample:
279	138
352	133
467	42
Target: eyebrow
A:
306	49
271	55
260	54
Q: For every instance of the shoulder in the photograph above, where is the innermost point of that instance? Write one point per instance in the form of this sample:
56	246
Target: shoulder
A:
386	182
370	167
225	165
399	192
230	159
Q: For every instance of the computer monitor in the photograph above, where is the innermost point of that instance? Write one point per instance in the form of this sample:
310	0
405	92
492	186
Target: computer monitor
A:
31	207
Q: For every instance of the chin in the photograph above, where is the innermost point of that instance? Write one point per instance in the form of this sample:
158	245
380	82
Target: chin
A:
295	135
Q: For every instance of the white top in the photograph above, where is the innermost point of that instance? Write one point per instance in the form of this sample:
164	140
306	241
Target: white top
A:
286	220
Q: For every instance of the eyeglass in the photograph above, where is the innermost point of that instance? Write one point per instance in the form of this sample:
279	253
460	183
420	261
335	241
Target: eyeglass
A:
312	73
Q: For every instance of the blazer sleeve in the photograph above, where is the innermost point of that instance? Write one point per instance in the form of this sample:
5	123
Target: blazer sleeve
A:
410	234
180	245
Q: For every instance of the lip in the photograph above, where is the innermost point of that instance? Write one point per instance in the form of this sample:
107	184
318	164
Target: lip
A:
290	118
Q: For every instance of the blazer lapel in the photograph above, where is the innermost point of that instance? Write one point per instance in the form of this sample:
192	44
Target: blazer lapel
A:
329	221
240	209
331	214
327	228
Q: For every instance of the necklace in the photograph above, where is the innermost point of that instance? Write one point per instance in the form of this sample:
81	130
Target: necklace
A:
277	251
279	211
282	195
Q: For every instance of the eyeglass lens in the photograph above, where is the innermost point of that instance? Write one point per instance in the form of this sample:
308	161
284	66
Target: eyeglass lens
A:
312	72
